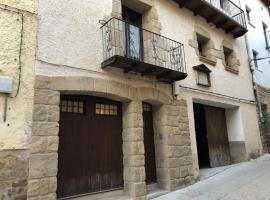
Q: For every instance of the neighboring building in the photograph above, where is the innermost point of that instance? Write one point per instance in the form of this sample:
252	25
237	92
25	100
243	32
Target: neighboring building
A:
18	25
126	110
258	40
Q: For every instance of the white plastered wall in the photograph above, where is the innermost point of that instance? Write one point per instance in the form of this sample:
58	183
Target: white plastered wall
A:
259	14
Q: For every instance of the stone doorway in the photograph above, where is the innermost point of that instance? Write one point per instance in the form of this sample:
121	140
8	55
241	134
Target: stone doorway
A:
212	136
149	144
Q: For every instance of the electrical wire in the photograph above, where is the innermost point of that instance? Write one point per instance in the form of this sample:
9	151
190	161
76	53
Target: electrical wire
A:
20	60
218	94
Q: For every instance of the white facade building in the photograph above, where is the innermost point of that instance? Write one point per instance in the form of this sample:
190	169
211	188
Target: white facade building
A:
258	47
258	38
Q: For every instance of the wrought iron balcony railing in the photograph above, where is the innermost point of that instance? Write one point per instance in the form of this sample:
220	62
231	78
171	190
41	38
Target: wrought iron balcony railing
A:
231	9
267	39
135	49
223	13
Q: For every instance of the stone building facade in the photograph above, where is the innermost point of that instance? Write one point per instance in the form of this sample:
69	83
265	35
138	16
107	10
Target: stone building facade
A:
264	96
174	160
68	65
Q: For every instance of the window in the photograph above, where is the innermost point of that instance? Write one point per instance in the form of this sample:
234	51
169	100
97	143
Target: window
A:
134	33
203	78
106	109
202	45
203	75
228	54
222	3
147	107
265	35
255	57
71	106
248	13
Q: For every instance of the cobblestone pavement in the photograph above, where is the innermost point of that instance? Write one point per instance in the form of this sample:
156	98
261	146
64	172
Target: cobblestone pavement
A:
244	181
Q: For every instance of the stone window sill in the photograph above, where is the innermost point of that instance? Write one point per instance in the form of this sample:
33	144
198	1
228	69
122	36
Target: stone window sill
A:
204	85
207	60
232	70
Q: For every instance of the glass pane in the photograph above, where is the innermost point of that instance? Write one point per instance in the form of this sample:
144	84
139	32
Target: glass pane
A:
70	103
203	78
75	109
134	42
69	109
64	109
80	110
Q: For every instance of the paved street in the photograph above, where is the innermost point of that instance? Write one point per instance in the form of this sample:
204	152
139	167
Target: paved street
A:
245	181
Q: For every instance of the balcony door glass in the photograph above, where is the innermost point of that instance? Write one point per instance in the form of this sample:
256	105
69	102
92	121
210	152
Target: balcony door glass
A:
133	33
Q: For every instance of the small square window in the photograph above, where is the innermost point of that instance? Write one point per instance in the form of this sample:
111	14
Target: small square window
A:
203	78
255	59
266	35
203	43
69	106
228	54
147	107
203	75
106	109
248	11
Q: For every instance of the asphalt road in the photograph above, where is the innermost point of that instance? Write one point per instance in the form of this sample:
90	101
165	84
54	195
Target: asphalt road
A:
244	181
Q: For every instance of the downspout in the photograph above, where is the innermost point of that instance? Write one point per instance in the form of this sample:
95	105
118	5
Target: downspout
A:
175	90
254	84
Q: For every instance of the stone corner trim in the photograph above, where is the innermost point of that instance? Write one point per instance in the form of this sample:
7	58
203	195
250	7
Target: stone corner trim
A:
42	182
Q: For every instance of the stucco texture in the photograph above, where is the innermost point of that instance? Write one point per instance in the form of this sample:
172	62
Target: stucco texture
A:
23	5
18	42
69	32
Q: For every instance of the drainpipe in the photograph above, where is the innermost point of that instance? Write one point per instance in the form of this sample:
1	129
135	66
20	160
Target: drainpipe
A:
175	90
254	84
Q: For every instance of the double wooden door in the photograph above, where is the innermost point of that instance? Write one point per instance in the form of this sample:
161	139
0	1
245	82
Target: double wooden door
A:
211	135
90	146
218	142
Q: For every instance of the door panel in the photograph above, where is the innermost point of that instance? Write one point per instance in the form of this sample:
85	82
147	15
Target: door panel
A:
149	144
201	135
90	146
217	135
134	42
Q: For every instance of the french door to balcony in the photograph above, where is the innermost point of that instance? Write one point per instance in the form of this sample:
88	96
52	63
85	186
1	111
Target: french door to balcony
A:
133	34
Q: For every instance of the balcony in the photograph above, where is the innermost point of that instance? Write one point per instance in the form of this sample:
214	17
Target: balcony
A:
223	13
134	49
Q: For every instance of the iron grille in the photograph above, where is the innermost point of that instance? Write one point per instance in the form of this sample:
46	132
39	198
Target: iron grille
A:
231	9
124	39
